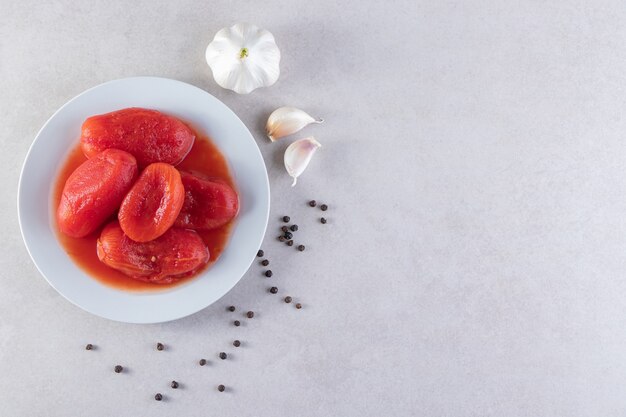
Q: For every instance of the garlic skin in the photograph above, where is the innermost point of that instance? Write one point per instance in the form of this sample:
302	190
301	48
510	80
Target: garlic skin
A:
243	58
298	155
285	121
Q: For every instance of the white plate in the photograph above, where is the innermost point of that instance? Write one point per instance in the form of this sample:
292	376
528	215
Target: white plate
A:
49	151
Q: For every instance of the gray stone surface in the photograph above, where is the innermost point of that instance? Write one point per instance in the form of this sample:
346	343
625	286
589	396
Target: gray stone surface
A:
473	264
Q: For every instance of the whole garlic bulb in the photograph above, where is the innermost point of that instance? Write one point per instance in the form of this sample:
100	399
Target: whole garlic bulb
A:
243	58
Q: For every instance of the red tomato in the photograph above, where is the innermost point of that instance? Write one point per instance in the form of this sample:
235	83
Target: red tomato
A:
149	135
208	203
174	255
153	203
94	191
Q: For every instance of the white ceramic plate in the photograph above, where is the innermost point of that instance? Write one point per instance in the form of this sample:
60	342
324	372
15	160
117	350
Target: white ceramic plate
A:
49	151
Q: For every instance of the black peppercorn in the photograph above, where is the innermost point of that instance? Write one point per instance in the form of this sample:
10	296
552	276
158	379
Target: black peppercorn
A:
158	397
265	262
298	306
89	346
301	248
289	243
312	203
288	299
237	323
294	228
160	346
202	362
268	273
260	253
223	355
284	229
221	388
324	207
288	235
250	314
323	220
286	219
236	343
174	384
118	369
274	290
281	238
231	308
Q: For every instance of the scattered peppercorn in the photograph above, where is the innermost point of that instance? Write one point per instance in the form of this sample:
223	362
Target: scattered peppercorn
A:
231	308
324	207
268	273
284	229
281	238
312	203
89	346
160	346
323	220
250	314
236	343
118	369
260	253
288	299
174	384
298	306
202	362
274	290
301	248
265	262
158	397
288	235
221	388
237	323
289	243
223	355
294	228
286	219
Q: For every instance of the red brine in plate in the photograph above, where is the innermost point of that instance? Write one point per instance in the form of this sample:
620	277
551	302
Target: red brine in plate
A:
204	158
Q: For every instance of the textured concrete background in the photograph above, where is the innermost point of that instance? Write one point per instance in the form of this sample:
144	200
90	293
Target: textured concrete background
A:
474	260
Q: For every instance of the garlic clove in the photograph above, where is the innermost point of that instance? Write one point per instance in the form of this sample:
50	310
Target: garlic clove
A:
285	121
298	155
